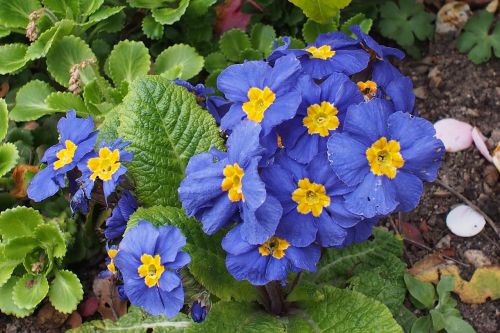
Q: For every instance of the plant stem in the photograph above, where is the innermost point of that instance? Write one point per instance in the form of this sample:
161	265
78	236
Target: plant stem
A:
276	298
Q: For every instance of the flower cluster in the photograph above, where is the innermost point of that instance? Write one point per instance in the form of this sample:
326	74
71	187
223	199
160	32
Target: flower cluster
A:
323	142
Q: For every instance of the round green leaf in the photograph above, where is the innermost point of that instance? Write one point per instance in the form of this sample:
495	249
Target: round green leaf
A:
65	53
18	248
312	30
215	61
8	157
64	101
7	305
12	57
4	119
30	101
51	239
6	269
179	61
128	61
321	11
262	37
15	13
30	290
42	45
199	7
151	28
233	42
65	291
19	221
169	15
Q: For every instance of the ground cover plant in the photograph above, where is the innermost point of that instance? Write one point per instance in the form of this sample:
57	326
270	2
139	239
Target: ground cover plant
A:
220	166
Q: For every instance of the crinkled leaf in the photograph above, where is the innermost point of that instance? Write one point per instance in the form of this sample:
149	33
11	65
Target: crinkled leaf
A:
30	101
128	61
179	61
18	248
207	257
69	51
215	61
19	221
8	157
51	239
262	38
7	304
4	119
166	127
108	130
30	290
15	13
88	7
423	292
65	291
313	29
151	28
170	14
42	45
12	57
233	42
65	101
477	40
321	11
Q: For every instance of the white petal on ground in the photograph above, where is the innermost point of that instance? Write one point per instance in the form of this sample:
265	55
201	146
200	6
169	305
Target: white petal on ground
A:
479	139
456	135
465	221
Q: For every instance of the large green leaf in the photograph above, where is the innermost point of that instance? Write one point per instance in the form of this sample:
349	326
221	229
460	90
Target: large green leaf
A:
18	222
262	37
313	29
4	119
15	13
207	257
30	101
69	51
64	101
423	292
340	311
321	11
65	291
166	127
479	37
151	28
12	57
6	269
179	61
30	290
128	61
42	45
170	14
18	248
105	17
8	157
233	42
51	239
7	305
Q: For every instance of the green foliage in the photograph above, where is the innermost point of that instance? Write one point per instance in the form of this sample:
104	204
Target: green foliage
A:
30	290
313	29
7	304
321	11
166	127
479	37
30	101
8	157
360	19
179	61
42	45
14	13
12	56
65	291
4	119
128	61
232	43
405	22
423	293
262	38
151	28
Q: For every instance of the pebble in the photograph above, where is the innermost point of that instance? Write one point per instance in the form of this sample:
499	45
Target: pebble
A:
444	243
420	92
464	221
491	175
477	258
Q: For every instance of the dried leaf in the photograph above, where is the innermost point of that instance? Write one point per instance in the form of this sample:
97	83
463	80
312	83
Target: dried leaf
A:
411	232
110	305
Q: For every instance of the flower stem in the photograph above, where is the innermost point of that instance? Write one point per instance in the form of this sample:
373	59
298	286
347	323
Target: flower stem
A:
276	298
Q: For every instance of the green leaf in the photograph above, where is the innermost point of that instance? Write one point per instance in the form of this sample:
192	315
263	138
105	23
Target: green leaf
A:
6	269
422	325
12	57
207	257
166	127
18	248
128	61
7	305
262	38
312	30
357	257
340	311
457	325
88	7
18	222
238	317
64	101
51	239
30	290
476	39
215	61
169	15
405	318
108	130
179	61
102	16
4	32
69	51
15	13
151	28
251	54
321	11
42	45
423	292
359	19
66	291
233	42
4	119
8	157
199	7
30	101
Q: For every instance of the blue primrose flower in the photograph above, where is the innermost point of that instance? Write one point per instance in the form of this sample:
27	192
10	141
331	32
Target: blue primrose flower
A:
198	312
219	185
376	51
312	201
77	138
360	232
117	222
321	113
261	93
269	261
386	156
149	259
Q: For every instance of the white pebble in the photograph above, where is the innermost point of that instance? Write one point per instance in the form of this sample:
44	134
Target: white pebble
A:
464	221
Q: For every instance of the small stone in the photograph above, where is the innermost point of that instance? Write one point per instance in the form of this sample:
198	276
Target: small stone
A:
48	317
464	221
472	112
435	77
452	17
444	243
477	258
74	320
420	92
491	175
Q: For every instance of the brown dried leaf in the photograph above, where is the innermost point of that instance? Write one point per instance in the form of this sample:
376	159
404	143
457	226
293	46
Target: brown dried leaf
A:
110	305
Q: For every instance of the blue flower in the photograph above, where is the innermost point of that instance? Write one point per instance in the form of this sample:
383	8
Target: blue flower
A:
218	107
105	165
219	185
149	259
321	113
386	156
200	91
312	201
198	312
376	50
261	93
77	138
117	222
360	232
269	261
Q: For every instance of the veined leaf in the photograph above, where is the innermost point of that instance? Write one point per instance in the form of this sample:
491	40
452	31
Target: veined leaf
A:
128	61
168	14
215	61
321	11
51	239
262	37
66	291
42	45
179	61
199	7
30	290
18	248
233	42
14	13
7	305
18	222
12	57
64	101
4	119
166	127
6	269
151	28
30	101
8	157
207	257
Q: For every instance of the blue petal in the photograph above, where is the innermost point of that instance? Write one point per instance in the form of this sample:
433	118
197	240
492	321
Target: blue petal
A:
73	128
236	80
280	185
127	263
340	215
347	157
170	242
140	240
253	187
173	301
341	91
409	189
42	185
219	215
277	269
141	295
298	229
306	147
249	266
384	73
181	260
169	281
401	92
201	161
233	242
258	227
335	39
284	74
283	108
243	143
233	117
329	232
349	61
304	257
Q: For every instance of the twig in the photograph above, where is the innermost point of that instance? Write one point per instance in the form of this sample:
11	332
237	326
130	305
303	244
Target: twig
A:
431	250
490	222
396	230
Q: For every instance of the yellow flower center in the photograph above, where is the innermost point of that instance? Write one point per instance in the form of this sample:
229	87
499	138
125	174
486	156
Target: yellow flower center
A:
111	266
384	157
105	165
65	156
258	102
324	52
368	89
232	183
151	269
310	197
321	118
280	142
274	246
